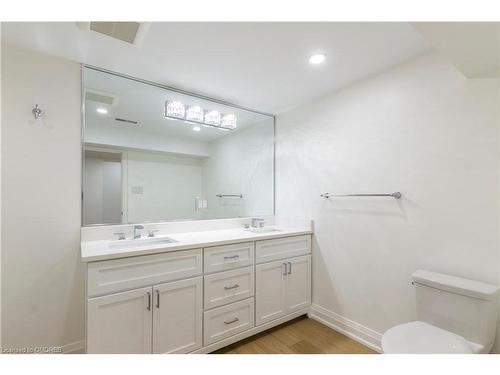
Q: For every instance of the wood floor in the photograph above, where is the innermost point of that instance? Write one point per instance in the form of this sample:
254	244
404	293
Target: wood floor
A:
299	336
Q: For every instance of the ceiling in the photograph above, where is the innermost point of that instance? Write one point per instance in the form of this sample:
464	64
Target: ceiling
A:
263	66
473	47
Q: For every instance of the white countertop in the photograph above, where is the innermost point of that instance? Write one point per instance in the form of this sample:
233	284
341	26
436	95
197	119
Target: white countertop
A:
92	251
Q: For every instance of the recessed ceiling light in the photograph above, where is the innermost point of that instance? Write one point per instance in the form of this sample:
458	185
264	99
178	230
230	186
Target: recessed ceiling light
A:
317	58
102	111
196	128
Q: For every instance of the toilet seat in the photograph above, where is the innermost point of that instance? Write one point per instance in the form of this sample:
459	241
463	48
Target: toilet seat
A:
420	337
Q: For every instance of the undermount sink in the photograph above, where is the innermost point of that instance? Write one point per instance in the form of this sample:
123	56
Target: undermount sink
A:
140	242
262	230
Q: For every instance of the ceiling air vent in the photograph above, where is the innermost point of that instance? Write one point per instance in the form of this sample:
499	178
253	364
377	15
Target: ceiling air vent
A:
129	32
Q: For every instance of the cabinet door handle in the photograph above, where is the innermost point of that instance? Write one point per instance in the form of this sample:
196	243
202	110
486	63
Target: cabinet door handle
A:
149	301
231	257
232	321
231	287
290	268
157	299
284	272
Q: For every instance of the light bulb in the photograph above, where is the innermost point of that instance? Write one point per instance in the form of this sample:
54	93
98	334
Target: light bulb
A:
175	109
228	121
212	117
194	113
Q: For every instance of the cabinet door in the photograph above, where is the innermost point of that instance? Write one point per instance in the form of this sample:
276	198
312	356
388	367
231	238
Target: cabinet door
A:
177	316
269	291
120	323
298	283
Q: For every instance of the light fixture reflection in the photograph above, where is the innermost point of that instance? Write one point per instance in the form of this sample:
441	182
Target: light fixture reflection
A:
212	117
194	113
228	121
175	109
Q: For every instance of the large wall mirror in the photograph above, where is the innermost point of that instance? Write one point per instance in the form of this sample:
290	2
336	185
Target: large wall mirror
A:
153	154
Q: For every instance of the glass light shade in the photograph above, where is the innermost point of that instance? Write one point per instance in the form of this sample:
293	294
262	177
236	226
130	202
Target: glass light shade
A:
228	121
212	118
175	109
194	113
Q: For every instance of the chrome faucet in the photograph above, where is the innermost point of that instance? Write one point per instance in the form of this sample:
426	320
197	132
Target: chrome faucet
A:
137	234
257	222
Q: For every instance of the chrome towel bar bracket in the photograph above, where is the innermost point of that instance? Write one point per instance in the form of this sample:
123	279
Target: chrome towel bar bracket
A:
395	195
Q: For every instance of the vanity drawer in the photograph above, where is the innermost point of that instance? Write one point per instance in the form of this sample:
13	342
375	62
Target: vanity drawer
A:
227	287
116	275
228	257
228	320
281	248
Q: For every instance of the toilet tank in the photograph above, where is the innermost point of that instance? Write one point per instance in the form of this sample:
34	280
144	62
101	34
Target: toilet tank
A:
462	306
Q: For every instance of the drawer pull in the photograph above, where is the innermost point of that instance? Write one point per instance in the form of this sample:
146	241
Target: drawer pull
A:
231	287
236	256
232	321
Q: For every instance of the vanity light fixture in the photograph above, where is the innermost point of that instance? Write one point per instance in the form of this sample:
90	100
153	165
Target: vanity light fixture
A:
102	110
212	117
175	109
228	121
317	58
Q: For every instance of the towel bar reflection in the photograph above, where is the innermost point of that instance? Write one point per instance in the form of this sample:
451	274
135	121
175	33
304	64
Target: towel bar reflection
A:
395	195
229	195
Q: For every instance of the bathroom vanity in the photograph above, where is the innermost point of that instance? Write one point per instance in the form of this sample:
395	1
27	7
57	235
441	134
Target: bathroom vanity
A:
201	170
193	292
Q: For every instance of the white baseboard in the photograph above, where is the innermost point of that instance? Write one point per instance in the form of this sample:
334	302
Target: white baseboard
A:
355	331
74	347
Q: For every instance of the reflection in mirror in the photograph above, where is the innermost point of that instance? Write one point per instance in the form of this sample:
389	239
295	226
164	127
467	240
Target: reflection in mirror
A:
152	154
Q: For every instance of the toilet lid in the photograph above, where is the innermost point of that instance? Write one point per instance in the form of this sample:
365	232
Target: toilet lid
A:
420	337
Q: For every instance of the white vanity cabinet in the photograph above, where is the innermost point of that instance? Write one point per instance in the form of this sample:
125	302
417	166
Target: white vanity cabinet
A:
282	287
120	323
177	316
158	314
196	300
165	318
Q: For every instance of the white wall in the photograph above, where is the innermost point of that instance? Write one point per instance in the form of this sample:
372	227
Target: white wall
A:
42	278
241	162
169	185
422	129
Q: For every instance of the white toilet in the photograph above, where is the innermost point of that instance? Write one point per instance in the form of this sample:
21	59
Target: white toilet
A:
455	315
